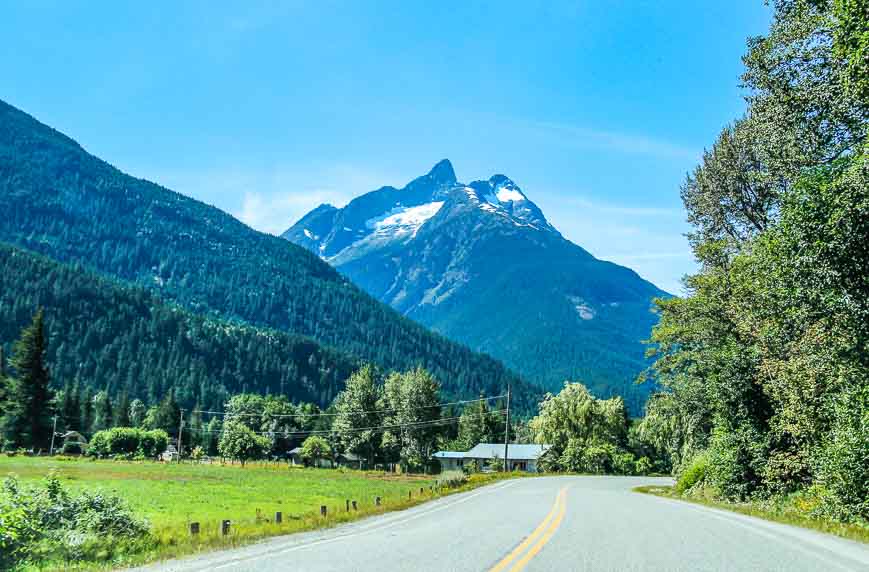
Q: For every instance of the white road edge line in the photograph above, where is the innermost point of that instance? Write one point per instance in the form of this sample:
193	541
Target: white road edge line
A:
779	532
374	527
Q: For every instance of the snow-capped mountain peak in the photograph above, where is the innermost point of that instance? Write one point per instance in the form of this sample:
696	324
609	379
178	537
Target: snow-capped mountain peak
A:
478	261
389	215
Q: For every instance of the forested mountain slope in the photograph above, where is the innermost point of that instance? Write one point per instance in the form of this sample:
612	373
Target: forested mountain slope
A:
480	263
107	335
61	201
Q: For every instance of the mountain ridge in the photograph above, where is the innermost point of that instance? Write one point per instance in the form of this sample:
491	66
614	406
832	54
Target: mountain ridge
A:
481	263
63	202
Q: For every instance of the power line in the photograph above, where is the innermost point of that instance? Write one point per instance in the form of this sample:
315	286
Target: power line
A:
325	414
375	429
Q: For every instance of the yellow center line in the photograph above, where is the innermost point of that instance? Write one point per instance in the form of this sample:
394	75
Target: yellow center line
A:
543	540
557	508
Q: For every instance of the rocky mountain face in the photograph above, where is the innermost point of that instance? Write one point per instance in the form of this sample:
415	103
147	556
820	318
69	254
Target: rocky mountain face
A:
480	263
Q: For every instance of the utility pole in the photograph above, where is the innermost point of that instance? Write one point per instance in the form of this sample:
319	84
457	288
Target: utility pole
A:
507	429
180	434
53	433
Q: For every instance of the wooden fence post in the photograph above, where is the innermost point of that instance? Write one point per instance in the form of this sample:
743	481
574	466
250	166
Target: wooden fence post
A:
322	510
194	528
347	505
376	501
279	517
224	527
354	505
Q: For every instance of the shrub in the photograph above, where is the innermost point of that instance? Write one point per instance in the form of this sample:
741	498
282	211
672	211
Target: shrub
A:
72	448
597	458
451	479
315	448
238	441
643	466
693	474
843	463
624	463
46	523
198	453
128	441
153	443
736	460
471	467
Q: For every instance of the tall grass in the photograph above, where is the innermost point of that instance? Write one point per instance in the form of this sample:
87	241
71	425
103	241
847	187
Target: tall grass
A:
171	496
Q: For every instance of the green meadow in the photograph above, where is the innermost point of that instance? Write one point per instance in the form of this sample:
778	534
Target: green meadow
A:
172	495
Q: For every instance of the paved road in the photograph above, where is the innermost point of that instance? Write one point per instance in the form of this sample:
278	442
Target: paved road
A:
546	524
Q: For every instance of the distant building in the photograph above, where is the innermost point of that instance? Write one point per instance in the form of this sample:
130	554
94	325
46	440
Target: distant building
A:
74	443
343	460
520	457
450	460
170	454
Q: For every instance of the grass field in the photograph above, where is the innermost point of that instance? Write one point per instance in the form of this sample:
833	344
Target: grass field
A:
786	511
172	495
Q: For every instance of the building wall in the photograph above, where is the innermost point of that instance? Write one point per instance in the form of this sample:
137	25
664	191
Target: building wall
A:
451	464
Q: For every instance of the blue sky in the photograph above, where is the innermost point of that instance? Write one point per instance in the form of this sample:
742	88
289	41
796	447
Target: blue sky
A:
266	109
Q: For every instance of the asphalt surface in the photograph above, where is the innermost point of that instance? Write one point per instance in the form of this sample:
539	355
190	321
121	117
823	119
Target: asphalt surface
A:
546	524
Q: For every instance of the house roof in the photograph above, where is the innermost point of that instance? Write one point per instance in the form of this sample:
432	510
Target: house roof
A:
449	455
74	434
514	451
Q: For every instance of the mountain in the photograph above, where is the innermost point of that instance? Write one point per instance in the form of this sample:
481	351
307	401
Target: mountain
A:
481	264
62	202
106	334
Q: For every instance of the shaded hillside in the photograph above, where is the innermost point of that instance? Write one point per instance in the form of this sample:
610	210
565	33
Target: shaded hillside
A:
107	335
61	201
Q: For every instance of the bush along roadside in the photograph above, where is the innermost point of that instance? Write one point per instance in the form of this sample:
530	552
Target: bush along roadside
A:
806	508
44	523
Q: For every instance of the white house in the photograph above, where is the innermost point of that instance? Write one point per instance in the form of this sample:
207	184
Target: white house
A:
520	457
450	460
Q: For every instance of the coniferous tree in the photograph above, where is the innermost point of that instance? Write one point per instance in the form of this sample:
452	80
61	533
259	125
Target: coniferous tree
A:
122	411
479	424
70	407
27	419
2	382
165	416
86	415
137	413
102	408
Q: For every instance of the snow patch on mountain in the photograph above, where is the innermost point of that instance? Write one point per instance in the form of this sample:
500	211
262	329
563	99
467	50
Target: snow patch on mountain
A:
582	308
402	221
397	225
509	195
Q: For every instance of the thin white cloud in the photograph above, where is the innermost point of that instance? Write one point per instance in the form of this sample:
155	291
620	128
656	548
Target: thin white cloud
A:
627	259
272	199
616	141
626	210
275	213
